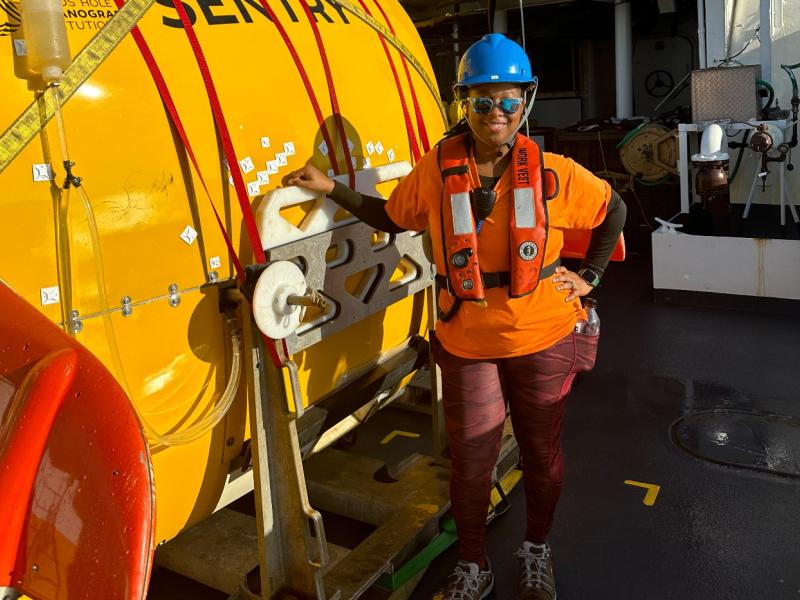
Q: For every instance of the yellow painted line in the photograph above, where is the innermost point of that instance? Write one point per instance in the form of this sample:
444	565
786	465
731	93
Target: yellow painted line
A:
507	483
396	433
652	491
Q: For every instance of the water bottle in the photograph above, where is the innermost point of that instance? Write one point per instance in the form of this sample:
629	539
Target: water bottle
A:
591	324
46	38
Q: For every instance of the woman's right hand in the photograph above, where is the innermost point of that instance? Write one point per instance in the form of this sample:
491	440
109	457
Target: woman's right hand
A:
310	178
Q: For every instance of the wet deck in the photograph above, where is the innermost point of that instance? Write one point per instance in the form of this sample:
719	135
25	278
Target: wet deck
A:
714	531
701	402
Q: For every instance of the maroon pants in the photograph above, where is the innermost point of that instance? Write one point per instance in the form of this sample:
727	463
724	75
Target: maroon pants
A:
475	394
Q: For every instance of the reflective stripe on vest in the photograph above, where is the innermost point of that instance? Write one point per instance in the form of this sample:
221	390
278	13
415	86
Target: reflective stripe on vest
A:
527	225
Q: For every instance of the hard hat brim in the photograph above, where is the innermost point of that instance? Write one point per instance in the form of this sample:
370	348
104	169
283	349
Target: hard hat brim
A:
505	78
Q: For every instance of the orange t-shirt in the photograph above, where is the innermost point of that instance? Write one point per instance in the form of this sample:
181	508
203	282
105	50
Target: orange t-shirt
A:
506	326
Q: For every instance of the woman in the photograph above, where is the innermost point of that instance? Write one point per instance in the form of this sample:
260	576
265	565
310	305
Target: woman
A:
506	329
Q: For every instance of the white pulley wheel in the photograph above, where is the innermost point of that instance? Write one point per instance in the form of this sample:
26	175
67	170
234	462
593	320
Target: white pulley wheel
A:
274	316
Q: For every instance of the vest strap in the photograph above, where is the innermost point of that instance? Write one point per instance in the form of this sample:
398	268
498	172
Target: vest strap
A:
499	278
458	170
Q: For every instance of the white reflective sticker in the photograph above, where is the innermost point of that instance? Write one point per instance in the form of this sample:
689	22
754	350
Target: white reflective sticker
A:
523	207
50	295
20	48
367	163
265	142
379	148
263	177
272	167
462	213
350	145
189	235
230	180
370	148
253	188
247	165
215	262
281	158
390	155
42	172
288	148
354	160
323	147
331	172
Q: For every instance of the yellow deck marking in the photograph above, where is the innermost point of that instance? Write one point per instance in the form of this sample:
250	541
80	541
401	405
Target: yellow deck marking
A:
396	433
507	483
652	491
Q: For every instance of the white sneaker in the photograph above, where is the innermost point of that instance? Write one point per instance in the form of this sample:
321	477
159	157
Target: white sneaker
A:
536	578
467	582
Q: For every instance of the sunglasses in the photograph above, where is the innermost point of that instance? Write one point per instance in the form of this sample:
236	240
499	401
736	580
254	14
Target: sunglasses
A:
483	105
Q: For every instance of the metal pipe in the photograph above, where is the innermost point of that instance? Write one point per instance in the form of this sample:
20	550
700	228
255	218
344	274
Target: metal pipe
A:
623	52
732	26
701	33
765	38
500	21
313	298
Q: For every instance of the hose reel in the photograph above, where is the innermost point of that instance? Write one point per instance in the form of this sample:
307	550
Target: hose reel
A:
650	152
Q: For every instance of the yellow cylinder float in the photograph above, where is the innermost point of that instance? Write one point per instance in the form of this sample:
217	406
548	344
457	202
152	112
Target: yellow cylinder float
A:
163	256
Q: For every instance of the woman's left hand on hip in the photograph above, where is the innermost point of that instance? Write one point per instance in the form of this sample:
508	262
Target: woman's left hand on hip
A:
572	283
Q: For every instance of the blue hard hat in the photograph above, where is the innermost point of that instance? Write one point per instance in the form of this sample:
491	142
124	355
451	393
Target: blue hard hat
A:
494	59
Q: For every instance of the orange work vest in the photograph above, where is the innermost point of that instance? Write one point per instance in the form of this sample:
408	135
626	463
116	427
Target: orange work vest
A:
527	226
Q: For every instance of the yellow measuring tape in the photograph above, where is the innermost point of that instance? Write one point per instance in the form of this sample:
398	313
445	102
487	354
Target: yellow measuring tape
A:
36	116
30	123
401	48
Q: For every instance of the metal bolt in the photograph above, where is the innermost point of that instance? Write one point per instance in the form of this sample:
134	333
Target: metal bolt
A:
35	568
230	442
174	297
127	309
212	277
313	298
74	323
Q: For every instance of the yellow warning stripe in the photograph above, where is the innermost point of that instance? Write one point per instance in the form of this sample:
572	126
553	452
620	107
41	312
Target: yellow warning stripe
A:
401	48
41	110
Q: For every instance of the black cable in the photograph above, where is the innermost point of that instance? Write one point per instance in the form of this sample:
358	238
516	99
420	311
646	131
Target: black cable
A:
750	41
739	157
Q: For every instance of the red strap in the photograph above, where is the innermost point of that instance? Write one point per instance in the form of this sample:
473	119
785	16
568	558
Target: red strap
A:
166	98
412	138
230	155
332	90
307	83
423	133
224	134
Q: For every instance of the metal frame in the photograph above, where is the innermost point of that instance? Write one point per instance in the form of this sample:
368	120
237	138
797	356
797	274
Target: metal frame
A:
684	169
291	558
344	308
293	554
